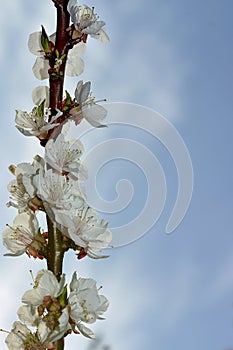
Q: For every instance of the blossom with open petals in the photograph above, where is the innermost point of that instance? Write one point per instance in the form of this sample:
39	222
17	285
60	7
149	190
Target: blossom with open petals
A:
87	106
86	229
18	195
23	236
44	309
36	123
30	316
21	338
86	304
48	335
46	284
64	157
23	193
86	21
56	192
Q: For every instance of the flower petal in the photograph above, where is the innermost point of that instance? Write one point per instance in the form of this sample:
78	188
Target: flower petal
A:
73	10
82	92
40	94
34	44
102	36
94	114
22	119
28	315
15	339
78	50
40	68
94	28
87	332
74	66
27	132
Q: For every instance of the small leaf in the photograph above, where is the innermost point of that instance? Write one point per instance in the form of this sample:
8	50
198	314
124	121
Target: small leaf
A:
57	54
68	99
63	56
45	41
40	109
63	297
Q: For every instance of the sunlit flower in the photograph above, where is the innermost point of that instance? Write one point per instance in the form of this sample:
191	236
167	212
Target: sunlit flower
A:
74	66
64	157
21	189
23	236
56	192
86	229
21	338
44	335
46	285
49	328
48	335
86	21
18	194
36	123
86	304
87	106
43	308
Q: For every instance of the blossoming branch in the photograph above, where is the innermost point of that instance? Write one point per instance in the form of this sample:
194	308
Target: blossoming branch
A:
54	185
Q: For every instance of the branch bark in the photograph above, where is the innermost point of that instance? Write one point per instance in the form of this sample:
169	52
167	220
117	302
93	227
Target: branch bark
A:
55	249
56	84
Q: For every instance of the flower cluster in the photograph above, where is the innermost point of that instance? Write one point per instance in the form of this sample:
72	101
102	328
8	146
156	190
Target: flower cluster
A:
54	311
54	185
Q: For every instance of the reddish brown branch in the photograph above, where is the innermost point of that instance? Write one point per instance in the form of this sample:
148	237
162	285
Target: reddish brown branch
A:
56	82
57	3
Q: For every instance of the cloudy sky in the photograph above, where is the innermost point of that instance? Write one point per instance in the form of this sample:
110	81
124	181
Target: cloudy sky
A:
175	57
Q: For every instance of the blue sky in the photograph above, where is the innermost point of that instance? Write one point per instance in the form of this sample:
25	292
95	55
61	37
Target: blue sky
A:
166	291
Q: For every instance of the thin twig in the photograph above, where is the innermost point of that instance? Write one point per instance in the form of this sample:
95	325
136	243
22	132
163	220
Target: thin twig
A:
57	3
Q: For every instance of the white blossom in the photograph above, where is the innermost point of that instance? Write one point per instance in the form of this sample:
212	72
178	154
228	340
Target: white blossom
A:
88	107
74	66
43	309
46	284
21	338
86	229
86	21
21	188
86	304
21	237
18	194
64	157
46	335
34	123
56	191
